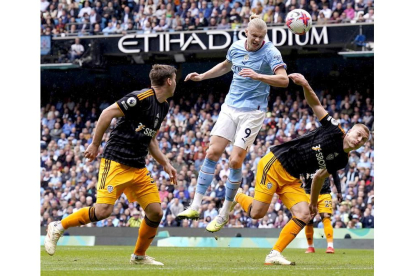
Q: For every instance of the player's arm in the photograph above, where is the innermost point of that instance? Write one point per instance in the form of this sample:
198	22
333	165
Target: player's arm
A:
217	71
104	121
310	95
280	79
337	183
162	159
317	183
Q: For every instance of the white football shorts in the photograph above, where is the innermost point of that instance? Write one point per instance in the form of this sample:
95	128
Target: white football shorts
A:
237	126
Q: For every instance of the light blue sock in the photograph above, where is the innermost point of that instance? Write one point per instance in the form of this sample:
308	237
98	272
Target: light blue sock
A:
206	175
233	183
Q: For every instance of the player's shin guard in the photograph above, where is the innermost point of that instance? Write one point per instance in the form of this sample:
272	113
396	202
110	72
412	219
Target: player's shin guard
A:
146	234
328	229
81	217
289	232
309	233
245	201
205	177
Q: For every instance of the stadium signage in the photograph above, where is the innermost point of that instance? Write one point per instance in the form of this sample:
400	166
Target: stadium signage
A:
213	40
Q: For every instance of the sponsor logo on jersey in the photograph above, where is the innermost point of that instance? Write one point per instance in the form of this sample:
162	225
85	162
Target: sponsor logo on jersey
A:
147	131
319	157
124	105
132	101
110	189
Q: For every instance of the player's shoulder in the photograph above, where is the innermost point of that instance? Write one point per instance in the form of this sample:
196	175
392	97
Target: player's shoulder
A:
269	46
239	44
143	93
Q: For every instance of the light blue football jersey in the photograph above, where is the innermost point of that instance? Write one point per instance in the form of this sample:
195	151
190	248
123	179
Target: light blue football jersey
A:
246	93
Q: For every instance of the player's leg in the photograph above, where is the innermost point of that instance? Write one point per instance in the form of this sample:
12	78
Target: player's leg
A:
325	209
223	132
295	199
247	129
109	190
145	191
232	185
309	237
263	192
309	234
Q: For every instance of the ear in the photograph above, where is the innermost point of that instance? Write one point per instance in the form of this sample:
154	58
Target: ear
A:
169	81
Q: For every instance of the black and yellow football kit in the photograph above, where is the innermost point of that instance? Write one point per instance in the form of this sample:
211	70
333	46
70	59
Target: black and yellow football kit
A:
325	198
279	171
122	168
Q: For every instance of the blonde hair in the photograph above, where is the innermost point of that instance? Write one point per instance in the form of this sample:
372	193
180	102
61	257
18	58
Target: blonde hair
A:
257	22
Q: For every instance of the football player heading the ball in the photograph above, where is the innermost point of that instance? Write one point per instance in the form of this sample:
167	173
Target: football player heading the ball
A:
324	150
256	66
122	167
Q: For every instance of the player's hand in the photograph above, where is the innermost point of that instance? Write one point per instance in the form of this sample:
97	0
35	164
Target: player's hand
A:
194	77
298	79
249	73
313	209
339	196
172	173
91	152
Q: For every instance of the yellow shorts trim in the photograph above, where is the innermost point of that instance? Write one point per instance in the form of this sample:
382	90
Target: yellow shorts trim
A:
324	203
272	178
115	179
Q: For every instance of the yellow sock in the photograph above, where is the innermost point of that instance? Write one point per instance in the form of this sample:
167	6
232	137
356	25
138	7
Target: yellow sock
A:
289	232
146	234
81	217
309	234
244	200
328	229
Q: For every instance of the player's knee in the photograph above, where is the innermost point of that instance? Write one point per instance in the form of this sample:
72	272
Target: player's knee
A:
326	215
257	214
102	213
304	216
213	154
235	162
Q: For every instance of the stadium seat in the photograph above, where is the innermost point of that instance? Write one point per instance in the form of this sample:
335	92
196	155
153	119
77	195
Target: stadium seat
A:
360	41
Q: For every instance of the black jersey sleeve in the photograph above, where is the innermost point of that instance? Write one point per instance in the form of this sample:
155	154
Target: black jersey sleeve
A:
130	105
329	122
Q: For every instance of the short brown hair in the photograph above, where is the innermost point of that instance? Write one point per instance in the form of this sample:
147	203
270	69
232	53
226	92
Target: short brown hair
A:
160	73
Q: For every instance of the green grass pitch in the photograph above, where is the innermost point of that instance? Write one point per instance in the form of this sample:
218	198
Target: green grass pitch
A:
114	260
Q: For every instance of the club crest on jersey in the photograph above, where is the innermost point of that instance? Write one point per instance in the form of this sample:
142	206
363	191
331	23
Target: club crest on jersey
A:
269	185
110	189
246	57
132	101
330	157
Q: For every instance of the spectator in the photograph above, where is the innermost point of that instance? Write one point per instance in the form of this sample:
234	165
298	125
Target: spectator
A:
76	50
369	17
368	219
349	11
135	220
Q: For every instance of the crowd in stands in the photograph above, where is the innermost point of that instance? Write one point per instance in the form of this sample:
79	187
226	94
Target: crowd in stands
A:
68	181
96	17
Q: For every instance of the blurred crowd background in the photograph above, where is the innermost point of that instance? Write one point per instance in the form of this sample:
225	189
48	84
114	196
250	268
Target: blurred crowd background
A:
62	18
68	180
